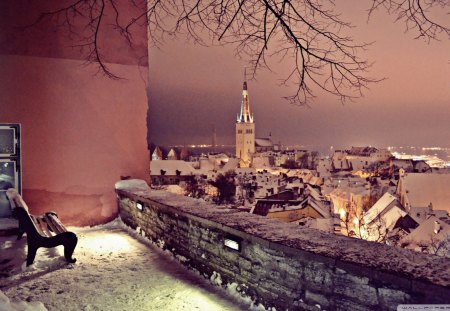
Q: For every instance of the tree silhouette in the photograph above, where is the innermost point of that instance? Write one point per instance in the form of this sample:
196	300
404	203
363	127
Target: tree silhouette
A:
226	186
195	186
309	33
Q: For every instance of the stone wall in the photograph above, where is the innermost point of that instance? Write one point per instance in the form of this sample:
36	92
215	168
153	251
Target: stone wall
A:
281	265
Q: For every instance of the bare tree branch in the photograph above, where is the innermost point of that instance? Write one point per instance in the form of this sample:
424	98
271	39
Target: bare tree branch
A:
307	33
416	15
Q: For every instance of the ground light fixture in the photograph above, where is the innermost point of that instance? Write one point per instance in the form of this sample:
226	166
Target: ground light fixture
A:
140	206
233	242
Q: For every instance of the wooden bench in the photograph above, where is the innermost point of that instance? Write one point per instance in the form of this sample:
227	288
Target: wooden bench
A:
42	231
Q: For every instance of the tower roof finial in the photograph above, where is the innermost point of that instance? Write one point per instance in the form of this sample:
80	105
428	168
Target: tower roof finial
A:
245	78
245	115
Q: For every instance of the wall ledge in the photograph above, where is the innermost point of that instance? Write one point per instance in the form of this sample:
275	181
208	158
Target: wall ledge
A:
290	238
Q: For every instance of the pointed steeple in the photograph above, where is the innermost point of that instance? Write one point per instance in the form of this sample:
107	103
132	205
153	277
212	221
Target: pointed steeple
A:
245	116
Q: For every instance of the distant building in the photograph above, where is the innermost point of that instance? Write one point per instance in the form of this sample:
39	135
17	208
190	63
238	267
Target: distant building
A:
170	172
358	158
370	152
172	155
184	154
339	161
291	210
381	218
264	144
424	191
324	167
263	159
157	154
428	236
409	165
245	131
361	158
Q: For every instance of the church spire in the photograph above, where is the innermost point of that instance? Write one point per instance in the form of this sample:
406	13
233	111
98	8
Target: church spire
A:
245	116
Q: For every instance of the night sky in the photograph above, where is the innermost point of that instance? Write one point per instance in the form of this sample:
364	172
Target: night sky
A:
193	88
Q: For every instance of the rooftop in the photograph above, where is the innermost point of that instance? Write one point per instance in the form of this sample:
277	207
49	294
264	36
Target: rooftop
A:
423	189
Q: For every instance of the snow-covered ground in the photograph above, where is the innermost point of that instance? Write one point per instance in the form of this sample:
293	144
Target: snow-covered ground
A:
115	270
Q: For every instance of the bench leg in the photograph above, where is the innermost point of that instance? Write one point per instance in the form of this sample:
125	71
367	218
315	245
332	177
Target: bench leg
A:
31	254
20	234
71	241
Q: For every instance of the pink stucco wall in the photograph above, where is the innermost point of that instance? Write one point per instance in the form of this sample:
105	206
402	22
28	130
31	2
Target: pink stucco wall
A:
80	130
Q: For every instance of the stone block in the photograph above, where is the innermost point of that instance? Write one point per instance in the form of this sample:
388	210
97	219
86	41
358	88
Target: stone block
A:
313	298
244	264
391	298
342	277
317	278
363	294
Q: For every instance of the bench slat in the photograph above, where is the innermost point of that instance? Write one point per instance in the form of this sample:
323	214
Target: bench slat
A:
58	223
36	225
43	227
50	219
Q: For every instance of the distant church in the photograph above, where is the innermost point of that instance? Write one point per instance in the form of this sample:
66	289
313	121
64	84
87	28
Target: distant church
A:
245	131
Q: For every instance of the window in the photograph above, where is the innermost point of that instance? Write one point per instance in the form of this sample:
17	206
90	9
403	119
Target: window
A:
10	165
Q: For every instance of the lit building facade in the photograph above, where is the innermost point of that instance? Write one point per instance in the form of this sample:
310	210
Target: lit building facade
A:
245	131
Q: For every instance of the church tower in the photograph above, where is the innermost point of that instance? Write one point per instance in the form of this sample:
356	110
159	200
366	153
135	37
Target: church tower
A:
245	130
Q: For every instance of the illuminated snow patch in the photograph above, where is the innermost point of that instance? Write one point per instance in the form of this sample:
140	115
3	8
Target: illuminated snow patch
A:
114	242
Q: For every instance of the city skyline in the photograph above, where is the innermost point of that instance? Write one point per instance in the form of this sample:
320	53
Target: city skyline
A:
195	88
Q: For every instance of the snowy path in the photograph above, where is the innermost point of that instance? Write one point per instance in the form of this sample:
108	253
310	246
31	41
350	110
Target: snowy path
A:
114	271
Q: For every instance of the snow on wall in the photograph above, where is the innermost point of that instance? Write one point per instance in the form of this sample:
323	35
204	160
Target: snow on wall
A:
283	265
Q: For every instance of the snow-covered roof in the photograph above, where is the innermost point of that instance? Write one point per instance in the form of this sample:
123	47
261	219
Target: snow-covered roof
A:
171	166
318	207
314	180
306	175
157	153
425	188
232	164
272	206
340	164
314	193
391	217
263	142
381	205
172	153
207	165
362	151
425	232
